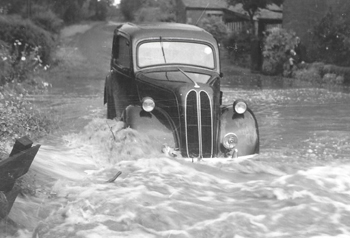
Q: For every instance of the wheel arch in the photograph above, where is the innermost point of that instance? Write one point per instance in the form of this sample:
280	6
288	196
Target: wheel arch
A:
107	85
246	128
156	124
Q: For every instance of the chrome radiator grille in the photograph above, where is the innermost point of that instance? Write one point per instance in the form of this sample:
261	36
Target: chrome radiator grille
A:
199	124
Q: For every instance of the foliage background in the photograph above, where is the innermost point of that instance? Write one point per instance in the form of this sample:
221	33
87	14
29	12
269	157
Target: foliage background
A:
238	46
29	33
331	40
214	26
148	10
276	44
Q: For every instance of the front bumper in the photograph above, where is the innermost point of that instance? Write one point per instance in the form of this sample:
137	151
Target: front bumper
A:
168	151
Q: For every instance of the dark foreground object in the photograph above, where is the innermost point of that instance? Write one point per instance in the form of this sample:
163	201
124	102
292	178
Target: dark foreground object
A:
12	168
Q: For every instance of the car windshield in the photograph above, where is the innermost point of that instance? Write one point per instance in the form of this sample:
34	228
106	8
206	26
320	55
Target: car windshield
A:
170	52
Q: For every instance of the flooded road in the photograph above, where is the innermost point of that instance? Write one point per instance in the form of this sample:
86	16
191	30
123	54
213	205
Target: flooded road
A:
299	186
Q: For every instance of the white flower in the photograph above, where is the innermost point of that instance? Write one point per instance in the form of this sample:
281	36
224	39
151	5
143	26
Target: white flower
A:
4	58
23	58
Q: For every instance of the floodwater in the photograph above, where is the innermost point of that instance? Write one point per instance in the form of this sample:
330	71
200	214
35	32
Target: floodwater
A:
298	186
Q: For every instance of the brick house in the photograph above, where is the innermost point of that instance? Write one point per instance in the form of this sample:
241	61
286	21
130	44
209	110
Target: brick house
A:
235	19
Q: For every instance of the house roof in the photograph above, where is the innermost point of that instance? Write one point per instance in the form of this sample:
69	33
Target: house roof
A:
272	12
205	3
267	14
275	7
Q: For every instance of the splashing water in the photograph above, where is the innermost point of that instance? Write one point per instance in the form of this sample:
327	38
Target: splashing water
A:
299	186
156	196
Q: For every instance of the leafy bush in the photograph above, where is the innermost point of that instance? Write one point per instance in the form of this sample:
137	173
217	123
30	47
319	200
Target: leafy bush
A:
276	44
129	8
17	63
319	74
18	117
148	14
214	26
14	29
46	19
168	10
311	75
332	79
238	46
12	6
101	10
5	65
153	14
73	13
331	40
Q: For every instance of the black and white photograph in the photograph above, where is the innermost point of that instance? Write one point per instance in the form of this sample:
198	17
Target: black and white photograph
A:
174	119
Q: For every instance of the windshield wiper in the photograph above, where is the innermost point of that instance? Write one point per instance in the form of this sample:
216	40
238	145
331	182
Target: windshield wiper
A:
161	45
184	73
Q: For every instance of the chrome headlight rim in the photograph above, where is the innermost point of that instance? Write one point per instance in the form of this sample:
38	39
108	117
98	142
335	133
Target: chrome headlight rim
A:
240	106
230	141
148	104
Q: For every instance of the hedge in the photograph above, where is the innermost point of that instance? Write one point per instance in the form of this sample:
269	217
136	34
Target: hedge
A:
14	28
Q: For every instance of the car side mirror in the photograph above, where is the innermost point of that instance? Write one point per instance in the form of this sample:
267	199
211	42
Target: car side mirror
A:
221	75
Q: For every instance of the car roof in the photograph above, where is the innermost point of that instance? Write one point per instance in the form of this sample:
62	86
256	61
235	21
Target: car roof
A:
164	30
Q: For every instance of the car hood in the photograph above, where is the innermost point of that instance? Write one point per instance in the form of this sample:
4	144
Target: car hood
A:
170	88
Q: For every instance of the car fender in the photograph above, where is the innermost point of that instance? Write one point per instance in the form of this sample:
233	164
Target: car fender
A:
245	126
157	125
104	96
107	85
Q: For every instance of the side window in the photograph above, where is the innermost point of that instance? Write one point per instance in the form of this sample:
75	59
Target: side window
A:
115	47
121	51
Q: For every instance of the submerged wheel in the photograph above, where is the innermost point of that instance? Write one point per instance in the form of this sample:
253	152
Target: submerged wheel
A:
111	113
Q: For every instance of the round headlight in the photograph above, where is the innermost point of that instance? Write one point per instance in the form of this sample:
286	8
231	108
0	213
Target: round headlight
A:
230	141
148	104
240	107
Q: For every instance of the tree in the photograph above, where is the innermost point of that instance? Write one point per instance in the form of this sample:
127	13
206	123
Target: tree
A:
148	10
253	6
215	26
331	39
69	10
168	10
100	8
12	6
129	7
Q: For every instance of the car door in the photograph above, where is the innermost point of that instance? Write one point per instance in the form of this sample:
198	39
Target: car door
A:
123	82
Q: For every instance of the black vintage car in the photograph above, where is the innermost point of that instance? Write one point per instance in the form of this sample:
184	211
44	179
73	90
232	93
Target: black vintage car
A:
165	82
